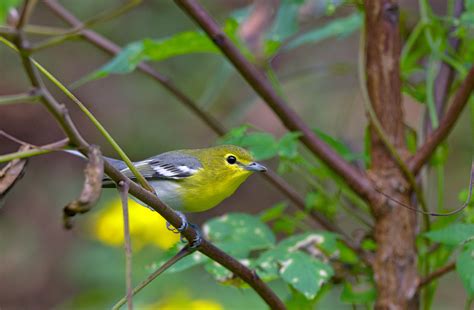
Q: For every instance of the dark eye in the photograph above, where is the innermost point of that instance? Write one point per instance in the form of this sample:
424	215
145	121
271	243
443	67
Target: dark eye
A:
231	159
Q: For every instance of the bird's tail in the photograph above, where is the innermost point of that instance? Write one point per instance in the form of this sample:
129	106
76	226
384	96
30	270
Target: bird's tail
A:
117	164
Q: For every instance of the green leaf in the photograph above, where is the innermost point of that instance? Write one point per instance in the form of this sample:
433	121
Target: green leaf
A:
160	49
454	234
465	268
239	233
124	62
179	44
219	272
320	202
367	147
339	27
288	145
262	145
411	138
358	294
273	213
338	146
305	273
286	22
5	6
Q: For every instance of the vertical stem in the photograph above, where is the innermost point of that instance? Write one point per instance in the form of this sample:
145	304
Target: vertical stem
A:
395	268
123	188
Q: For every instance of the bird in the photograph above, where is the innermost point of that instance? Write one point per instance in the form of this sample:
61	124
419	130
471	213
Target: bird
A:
192	180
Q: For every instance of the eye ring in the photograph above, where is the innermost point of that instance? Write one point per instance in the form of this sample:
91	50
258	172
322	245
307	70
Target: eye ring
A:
231	159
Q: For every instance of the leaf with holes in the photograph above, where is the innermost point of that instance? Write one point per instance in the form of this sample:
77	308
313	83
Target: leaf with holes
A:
239	233
305	273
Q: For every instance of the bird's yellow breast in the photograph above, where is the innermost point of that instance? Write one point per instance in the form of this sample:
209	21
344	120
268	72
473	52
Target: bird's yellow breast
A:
200	196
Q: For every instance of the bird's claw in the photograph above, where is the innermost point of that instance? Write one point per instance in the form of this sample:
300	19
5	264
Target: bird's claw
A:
197	240
180	229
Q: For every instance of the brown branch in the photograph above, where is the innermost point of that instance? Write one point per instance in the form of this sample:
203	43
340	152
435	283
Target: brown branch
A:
61	114
26	12
356	179
213	123
436	274
460	100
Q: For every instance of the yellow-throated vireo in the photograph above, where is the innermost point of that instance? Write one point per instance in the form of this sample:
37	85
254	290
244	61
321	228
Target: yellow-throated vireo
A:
193	180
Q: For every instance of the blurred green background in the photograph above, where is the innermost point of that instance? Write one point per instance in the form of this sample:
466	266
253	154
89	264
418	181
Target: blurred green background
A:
43	266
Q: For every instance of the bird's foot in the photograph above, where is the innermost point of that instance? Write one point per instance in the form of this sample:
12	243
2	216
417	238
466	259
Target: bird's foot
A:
198	239
180	229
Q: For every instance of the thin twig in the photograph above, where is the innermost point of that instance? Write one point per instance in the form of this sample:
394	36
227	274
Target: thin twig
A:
26	12
123	188
436	274
446	124
28	97
55	146
356	179
185	251
100	18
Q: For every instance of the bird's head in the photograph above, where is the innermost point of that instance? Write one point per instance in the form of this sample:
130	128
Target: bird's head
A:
232	160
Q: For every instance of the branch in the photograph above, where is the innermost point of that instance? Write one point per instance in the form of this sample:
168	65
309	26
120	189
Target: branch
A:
460	100
356	179
210	121
62	116
173	260
122	188
27	97
76	31
26	12
436	274
55	146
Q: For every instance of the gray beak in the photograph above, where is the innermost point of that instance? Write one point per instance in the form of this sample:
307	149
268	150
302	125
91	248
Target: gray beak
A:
255	167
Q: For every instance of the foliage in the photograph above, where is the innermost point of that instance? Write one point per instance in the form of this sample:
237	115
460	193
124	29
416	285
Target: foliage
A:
279	243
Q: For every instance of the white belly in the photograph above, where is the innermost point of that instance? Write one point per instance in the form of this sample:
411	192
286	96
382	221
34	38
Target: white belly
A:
167	192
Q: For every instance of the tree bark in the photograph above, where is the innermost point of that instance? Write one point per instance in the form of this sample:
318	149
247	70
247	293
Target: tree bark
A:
395	263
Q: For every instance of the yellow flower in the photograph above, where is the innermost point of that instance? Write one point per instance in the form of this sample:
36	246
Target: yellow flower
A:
181	301
146	226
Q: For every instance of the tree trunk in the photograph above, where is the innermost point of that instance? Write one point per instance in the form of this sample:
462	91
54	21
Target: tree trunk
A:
395	263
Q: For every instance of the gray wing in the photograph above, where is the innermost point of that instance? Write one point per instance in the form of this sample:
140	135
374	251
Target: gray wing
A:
166	166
